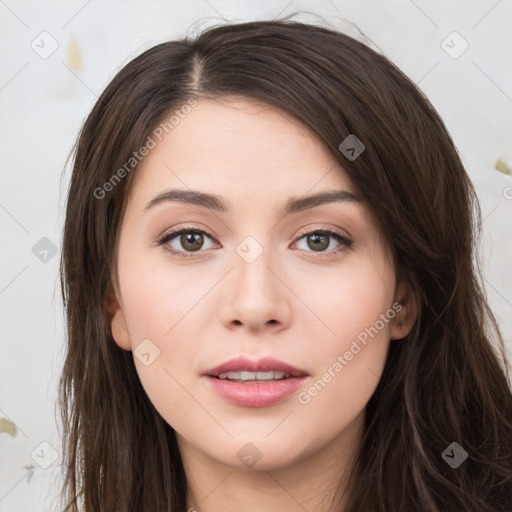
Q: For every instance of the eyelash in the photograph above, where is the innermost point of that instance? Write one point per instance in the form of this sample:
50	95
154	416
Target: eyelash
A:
167	237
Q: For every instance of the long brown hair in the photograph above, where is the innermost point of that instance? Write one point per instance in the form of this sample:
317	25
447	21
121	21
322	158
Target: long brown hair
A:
446	382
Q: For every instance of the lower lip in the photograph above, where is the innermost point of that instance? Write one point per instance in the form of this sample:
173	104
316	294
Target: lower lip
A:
255	394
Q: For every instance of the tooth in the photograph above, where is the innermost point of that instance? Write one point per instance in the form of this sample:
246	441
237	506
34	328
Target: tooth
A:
244	375
230	375
265	375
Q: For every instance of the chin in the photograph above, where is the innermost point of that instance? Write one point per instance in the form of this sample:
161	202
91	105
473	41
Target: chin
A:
259	454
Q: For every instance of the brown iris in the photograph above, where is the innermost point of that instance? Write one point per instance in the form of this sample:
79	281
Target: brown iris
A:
320	241
192	241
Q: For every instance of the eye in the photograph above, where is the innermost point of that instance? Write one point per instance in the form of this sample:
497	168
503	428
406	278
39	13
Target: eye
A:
320	240
190	239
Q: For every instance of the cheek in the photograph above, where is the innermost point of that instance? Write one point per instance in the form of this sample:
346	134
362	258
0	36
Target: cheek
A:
354	307
347	301
159	301
158	294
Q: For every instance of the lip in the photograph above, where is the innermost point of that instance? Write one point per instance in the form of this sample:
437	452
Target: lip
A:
265	364
255	394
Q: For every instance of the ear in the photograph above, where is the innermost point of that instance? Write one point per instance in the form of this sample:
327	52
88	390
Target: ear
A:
118	323
406	313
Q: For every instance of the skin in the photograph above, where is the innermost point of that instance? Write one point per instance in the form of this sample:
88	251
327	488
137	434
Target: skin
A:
299	305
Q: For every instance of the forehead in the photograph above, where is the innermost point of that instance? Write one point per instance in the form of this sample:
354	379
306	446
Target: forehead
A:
238	148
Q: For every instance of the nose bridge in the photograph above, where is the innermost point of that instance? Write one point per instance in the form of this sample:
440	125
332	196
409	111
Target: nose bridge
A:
256	295
253	261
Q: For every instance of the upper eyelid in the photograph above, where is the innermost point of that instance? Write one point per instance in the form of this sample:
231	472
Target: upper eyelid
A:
330	231
184	229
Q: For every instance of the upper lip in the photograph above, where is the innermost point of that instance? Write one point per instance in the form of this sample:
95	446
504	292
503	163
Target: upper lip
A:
265	364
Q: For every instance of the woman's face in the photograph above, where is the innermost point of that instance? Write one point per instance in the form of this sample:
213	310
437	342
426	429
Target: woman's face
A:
270	274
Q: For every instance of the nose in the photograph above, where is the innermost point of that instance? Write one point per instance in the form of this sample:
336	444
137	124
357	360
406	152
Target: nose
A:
257	297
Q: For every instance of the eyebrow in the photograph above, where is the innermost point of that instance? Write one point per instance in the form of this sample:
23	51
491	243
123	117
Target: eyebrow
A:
219	204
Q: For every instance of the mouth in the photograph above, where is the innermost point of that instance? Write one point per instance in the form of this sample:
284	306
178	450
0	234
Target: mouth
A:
260	383
245	376
243	369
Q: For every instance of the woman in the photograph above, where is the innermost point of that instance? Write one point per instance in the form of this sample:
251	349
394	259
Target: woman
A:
272	303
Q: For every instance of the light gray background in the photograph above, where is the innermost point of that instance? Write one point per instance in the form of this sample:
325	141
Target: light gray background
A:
43	102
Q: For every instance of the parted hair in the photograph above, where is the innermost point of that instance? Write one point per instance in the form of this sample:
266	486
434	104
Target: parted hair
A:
446	381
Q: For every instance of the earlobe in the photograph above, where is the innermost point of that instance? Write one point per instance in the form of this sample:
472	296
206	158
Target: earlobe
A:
406	314
118	323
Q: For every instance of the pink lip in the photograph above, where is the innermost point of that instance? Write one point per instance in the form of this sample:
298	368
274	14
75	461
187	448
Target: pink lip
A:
255	394
266	364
